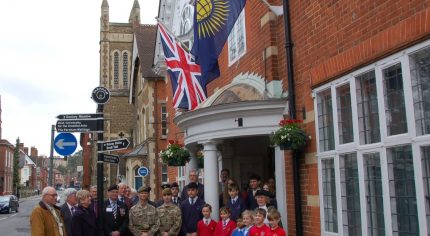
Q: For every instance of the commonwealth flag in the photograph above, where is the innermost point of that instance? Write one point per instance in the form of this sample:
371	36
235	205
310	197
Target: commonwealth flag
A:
213	21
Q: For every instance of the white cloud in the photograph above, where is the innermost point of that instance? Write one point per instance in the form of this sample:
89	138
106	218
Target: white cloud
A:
50	61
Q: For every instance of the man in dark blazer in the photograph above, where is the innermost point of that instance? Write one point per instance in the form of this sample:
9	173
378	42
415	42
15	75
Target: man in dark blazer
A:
115	214
235	202
254	186
193	176
191	209
68	208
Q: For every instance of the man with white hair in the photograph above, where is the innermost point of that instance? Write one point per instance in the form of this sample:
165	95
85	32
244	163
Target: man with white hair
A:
68	208
46	219
122	187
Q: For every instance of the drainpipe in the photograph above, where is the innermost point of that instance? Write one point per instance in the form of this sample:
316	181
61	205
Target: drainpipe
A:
292	114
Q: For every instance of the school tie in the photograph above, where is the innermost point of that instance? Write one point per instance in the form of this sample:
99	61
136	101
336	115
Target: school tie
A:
233	201
175	200
114	208
192	201
206	222
224	223
73	210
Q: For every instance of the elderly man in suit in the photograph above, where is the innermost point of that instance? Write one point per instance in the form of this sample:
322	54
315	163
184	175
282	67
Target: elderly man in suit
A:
68	208
193	176
115	214
46	219
122	188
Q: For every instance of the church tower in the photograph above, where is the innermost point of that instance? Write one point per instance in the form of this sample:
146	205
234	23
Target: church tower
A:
116	47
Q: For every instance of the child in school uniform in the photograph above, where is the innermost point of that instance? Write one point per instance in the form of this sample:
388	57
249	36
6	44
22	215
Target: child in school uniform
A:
239	227
259	229
274	217
226	225
247	221
206	226
235	203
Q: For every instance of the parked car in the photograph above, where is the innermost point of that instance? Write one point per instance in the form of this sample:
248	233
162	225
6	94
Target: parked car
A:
9	203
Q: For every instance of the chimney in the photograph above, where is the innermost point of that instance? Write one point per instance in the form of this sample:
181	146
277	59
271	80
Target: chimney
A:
26	150
33	152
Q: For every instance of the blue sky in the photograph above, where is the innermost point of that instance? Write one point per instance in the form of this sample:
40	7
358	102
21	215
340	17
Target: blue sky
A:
49	62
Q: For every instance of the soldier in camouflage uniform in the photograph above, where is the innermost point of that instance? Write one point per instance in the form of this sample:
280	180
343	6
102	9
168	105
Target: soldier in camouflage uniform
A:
143	220
170	215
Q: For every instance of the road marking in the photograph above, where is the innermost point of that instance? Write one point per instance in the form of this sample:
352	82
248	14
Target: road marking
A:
8	217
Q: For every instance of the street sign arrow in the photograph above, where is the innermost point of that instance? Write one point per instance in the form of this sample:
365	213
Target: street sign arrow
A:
114	145
108	158
80	116
65	144
80	126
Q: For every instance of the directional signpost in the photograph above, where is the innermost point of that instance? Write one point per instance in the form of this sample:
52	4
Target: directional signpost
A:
143	171
81	126
65	144
113	159
114	145
80	116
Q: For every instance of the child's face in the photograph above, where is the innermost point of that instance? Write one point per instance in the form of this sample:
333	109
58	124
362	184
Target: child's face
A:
259	219
224	215
192	192
233	193
206	212
239	223
273	222
247	220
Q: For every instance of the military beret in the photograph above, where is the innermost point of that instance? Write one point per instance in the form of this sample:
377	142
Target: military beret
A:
262	192
113	187
192	186
174	185
144	189
167	191
163	186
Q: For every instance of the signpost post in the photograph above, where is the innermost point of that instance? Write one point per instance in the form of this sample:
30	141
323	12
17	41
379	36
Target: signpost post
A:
100	95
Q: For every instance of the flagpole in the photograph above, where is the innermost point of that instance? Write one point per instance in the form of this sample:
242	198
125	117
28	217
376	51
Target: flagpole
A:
171	33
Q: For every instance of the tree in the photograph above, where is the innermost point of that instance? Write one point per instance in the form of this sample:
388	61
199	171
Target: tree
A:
62	169
16	169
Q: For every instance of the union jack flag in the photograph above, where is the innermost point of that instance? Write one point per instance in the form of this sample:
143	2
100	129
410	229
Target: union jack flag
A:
189	88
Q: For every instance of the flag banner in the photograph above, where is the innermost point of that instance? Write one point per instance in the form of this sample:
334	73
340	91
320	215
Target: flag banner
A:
189	90
213	21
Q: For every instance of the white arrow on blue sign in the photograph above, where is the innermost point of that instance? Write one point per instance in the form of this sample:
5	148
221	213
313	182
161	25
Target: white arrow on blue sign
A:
65	144
143	171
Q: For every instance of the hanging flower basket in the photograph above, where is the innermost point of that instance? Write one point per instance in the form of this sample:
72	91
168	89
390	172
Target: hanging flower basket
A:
290	136
175	154
200	160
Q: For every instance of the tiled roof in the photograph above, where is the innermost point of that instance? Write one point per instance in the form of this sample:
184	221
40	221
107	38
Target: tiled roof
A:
145	40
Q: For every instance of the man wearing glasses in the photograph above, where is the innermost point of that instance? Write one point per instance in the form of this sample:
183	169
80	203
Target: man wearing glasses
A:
46	219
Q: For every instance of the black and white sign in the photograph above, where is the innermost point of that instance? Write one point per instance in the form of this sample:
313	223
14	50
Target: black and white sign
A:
80	126
100	95
80	116
108	158
114	145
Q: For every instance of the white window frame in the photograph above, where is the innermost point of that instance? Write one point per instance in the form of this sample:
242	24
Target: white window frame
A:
408	138
234	29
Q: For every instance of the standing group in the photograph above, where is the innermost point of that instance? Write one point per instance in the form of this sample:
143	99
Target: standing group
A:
130	212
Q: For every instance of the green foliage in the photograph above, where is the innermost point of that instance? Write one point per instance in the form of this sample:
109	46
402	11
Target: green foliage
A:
62	169
16	169
291	133
174	155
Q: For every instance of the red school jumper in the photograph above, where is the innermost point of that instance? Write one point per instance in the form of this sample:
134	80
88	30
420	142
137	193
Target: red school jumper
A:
259	231
225	230
206	230
278	231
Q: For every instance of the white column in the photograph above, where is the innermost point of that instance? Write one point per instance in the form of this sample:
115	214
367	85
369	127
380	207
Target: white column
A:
211	177
192	164
281	186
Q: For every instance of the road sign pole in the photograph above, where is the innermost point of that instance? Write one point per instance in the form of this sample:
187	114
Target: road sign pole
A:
100	169
51	158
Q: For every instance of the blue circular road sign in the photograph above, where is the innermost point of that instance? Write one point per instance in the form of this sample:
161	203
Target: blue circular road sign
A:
65	144
143	171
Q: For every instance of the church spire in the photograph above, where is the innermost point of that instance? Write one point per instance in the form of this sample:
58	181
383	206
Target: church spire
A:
104	19
135	13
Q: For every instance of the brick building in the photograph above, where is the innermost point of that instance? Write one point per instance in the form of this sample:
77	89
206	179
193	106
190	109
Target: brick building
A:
6	167
361	72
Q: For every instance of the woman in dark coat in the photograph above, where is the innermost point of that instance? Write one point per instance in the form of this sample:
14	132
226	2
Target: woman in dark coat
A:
84	219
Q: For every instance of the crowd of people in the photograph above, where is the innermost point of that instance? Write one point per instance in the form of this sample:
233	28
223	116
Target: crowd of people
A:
130	212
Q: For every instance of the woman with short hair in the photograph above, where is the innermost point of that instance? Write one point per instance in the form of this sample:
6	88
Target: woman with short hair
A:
84	220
